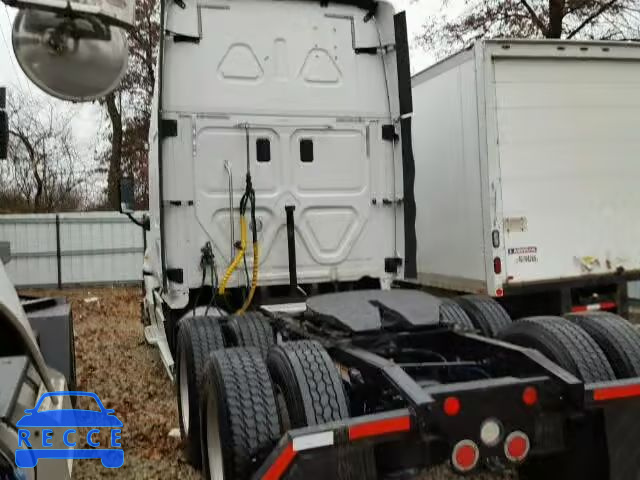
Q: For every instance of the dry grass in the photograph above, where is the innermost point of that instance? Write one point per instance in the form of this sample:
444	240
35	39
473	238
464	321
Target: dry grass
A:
113	361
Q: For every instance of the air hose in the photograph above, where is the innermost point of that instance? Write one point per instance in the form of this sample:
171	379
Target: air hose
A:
248	199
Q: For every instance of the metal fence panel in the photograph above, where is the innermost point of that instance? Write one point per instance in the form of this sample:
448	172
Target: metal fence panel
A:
33	248
93	248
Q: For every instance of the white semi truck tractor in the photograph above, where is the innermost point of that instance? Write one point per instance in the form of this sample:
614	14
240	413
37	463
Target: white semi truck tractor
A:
282	218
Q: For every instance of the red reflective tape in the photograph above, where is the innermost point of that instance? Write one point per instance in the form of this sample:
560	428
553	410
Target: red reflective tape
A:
594	307
281	464
380	427
615	393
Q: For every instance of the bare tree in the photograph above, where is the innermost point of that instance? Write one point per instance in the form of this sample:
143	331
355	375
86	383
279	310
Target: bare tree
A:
586	19
129	109
44	171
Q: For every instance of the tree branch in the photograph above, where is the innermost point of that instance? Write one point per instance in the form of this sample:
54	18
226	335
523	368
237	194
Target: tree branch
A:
592	17
534	17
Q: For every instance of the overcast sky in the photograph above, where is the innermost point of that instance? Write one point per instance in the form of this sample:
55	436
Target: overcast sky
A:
88	120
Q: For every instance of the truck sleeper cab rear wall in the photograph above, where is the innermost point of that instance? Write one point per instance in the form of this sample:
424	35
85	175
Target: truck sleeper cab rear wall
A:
308	105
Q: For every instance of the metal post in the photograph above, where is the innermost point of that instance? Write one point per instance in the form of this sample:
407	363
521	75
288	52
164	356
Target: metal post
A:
622	298
291	240
58	251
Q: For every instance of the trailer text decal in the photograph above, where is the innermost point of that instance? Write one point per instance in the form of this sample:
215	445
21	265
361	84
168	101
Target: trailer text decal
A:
524	254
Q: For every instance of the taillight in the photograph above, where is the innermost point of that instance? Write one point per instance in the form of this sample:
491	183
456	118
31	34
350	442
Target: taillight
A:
530	396
497	266
451	406
517	446
465	456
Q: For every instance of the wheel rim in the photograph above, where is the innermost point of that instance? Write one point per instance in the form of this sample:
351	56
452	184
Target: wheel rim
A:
214	447
184	391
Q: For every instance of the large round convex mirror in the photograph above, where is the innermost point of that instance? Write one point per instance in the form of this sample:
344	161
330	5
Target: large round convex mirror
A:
76	58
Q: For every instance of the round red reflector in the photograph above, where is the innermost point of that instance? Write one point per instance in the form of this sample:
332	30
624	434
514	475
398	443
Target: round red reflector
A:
499	292
451	406
516	447
465	456
530	396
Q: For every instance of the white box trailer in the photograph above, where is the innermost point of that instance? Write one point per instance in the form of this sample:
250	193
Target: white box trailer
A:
527	171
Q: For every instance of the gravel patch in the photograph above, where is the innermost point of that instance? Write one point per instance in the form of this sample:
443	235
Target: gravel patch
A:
113	360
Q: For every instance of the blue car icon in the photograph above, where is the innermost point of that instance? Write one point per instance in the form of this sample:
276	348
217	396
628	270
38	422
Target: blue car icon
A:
68	418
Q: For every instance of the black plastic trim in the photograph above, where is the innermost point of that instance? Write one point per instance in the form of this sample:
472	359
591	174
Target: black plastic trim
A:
163	250
179	38
58	252
366	50
391	264
4	135
409	201
263	150
408	163
168	128
389	133
175	275
291	245
306	150
403	63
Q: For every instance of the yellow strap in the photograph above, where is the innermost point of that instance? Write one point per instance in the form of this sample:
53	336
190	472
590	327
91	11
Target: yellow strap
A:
239	256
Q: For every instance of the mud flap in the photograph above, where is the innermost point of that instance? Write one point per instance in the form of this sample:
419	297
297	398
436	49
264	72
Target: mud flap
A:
338	463
623	440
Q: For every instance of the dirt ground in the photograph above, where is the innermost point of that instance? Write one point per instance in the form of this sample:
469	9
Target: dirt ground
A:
113	360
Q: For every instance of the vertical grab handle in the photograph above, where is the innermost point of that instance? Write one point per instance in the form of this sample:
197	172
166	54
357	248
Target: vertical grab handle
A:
291	242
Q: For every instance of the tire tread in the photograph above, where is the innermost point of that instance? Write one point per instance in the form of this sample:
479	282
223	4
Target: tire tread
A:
619	340
249	402
251	329
486	314
572	347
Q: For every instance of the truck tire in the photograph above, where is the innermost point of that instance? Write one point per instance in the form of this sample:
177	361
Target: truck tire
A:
563	342
309	382
451	313
487	315
311	389
239	421
197	338
617	338
250	330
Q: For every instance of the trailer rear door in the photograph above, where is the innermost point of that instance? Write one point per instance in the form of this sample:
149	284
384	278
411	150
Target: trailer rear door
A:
569	159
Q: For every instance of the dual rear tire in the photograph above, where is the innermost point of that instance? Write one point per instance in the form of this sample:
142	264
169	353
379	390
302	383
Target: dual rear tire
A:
594	347
235	403
248	402
197	338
